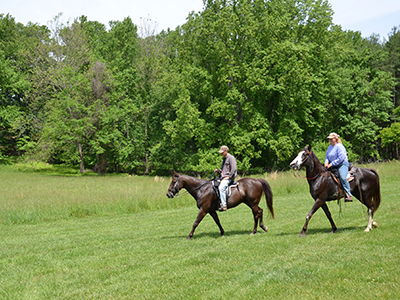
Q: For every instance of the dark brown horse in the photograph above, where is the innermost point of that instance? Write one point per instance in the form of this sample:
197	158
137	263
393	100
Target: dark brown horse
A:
249	192
365	187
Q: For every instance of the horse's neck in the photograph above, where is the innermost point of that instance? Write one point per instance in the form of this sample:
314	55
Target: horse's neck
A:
191	183
314	168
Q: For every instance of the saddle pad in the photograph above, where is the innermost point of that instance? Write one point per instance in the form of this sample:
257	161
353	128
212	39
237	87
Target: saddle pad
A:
234	185
351	174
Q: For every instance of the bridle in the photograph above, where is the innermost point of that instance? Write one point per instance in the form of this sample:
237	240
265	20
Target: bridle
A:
308	156
175	190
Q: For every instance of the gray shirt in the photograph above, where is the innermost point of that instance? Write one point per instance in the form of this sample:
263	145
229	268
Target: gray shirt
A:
228	167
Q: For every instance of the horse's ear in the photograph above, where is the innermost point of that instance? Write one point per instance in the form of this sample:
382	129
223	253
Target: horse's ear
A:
309	148
176	173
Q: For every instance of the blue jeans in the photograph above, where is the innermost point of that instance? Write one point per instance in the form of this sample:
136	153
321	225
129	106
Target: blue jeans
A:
343	170
222	190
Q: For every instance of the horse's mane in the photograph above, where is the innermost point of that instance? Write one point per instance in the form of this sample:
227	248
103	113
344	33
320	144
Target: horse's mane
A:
195	178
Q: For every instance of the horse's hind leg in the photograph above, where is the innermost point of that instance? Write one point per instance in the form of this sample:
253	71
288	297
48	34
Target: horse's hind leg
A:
369	204
371	221
260	216
329	216
214	215
255	210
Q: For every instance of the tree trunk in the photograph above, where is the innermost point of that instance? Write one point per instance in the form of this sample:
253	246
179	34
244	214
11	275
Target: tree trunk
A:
146	172
81	158
98	165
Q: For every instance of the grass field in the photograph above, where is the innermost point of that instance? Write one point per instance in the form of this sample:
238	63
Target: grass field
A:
120	237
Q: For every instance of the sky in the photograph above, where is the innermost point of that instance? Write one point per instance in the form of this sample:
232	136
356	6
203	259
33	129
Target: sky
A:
366	16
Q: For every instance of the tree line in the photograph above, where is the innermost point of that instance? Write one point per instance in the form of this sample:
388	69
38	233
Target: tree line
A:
263	77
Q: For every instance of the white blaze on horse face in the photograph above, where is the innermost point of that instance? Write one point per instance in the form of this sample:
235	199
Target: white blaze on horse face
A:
296	163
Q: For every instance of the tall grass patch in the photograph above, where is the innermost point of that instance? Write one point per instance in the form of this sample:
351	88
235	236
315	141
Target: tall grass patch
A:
30	197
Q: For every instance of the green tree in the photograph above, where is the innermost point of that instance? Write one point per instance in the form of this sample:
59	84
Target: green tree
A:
392	65
391	137
249	76
13	85
65	95
359	95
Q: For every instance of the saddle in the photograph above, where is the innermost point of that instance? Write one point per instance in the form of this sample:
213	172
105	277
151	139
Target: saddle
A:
232	184
351	175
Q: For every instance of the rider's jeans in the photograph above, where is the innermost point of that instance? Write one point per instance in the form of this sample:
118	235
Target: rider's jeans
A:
222	190
343	170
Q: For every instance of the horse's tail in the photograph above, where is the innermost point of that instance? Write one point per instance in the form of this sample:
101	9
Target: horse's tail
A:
377	191
268	195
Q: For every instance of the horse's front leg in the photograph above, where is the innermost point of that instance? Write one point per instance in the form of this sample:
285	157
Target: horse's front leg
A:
214	215
200	217
317	204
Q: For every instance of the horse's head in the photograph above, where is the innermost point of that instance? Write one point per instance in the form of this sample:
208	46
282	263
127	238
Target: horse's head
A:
301	158
175	186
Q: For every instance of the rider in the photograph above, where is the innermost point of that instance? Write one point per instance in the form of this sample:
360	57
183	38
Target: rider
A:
336	156
228	173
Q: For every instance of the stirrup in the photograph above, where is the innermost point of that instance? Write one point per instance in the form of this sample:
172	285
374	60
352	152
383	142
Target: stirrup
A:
348	199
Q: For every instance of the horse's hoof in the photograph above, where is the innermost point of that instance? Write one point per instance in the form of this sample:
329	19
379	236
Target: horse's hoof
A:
302	234
253	233
265	228
375	224
189	238
367	229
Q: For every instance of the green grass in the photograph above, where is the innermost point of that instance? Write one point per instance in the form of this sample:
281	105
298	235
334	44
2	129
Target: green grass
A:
142	253
34	196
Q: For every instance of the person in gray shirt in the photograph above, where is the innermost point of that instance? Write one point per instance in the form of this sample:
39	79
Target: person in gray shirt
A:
228	173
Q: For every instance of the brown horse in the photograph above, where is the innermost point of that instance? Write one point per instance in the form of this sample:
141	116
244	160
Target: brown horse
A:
248	192
323	188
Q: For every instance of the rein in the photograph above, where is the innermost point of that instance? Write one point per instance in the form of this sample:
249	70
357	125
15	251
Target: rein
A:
176	186
294	174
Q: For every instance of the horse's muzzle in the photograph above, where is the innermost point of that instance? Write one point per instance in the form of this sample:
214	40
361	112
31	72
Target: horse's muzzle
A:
170	195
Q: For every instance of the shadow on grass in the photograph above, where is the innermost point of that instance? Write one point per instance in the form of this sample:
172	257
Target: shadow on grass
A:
215	234
317	231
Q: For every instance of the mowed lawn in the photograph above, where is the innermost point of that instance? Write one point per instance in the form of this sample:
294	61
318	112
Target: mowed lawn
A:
119	237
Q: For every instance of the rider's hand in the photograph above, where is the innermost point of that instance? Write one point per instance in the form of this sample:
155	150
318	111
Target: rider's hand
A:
216	170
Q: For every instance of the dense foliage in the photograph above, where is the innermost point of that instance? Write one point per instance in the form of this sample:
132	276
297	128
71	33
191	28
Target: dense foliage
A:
263	77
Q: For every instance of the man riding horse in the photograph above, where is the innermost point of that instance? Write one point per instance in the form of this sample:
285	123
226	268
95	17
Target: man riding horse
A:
228	173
